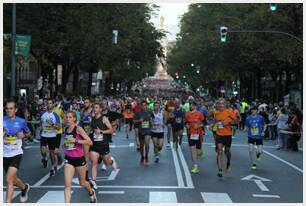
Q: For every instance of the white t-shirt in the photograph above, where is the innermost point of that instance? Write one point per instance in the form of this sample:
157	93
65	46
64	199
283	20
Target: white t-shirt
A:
46	120
158	122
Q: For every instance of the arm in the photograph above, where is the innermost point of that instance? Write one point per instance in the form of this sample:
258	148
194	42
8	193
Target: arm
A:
86	140
109	126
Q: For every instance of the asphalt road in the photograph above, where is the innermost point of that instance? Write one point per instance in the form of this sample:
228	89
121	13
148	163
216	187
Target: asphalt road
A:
278	178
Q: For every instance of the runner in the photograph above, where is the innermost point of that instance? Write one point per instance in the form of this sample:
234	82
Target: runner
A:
157	130
136	110
58	110
255	126
224	120
86	117
50	122
194	125
14	130
169	119
128	119
177	124
75	137
100	128
144	117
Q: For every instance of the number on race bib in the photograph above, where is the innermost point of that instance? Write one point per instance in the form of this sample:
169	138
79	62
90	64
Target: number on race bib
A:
255	131
194	136
98	138
145	124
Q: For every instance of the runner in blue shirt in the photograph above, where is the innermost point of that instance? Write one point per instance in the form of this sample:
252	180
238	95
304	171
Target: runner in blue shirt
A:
255	126
14	130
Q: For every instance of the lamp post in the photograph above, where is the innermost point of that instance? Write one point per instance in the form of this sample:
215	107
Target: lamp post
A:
13	64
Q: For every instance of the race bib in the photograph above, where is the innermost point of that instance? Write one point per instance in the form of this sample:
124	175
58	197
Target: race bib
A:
194	136
178	120
255	131
145	125
47	129
10	140
98	138
69	145
220	125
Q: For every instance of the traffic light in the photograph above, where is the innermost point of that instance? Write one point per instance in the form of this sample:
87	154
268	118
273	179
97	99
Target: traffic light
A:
273	7
223	33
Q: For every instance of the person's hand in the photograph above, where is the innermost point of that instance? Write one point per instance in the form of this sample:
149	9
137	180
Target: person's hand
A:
98	131
21	135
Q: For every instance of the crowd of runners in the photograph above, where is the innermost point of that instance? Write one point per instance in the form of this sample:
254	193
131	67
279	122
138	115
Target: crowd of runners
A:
78	132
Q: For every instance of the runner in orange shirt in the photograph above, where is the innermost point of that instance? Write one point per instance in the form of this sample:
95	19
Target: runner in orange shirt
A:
194	120
224	119
128	119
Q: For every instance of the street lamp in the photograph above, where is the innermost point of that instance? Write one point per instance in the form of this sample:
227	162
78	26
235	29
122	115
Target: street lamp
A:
184	77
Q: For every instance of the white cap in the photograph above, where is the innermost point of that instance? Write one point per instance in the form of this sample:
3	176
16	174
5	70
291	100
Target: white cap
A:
190	98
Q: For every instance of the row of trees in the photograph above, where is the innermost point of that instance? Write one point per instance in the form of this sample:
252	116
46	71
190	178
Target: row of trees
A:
247	57
79	37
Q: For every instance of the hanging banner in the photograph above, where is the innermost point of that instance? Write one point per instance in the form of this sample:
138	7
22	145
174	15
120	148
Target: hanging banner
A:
22	45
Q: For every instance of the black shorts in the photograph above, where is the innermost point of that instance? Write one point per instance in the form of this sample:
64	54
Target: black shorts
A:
128	121
142	136
157	135
58	141
75	161
225	140
101	148
255	141
193	142
52	142
11	162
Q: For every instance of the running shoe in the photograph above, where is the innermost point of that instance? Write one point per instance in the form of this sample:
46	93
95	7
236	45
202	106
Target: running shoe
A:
92	197
258	157
156	159
94	184
219	174
146	161
195	170
24	193
103	167
52	173
44	162
253	167
114	165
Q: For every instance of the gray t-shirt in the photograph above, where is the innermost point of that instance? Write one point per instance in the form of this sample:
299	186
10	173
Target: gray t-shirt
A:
283	118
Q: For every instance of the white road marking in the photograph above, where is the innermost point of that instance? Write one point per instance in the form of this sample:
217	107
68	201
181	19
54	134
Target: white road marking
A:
268	196
131	144
115	186
249	177
31	147
111	192
46	177
163	197
53	197
16	193
209	197
261	185
178	171
122	146
113	175
284	161
186	170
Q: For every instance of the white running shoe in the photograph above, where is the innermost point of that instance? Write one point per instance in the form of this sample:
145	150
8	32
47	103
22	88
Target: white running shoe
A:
114	165
94	184
24	194
103	167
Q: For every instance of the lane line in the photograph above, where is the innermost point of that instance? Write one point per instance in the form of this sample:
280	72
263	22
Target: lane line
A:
111	192
186	170
46	177
113	174
268	196
214	197
178	171
163	197
261	185
114	186
284	161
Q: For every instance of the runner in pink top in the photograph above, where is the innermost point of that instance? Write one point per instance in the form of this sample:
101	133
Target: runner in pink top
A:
75	138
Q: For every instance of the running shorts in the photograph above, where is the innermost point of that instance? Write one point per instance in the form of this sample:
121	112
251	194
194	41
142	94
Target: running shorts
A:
52	142
157	135
11	162
102	148
75	161
225	140
255	141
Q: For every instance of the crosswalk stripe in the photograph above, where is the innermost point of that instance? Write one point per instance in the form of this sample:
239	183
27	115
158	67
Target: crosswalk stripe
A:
209	197
163	197
53	197
16	193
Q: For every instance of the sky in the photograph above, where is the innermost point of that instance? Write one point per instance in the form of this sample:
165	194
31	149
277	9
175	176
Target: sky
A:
171	13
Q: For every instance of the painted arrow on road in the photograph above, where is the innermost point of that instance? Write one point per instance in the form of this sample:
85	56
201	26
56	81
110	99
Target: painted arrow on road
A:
258	181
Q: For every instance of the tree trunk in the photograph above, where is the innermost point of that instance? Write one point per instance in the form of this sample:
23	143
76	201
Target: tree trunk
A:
76	79
89	84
